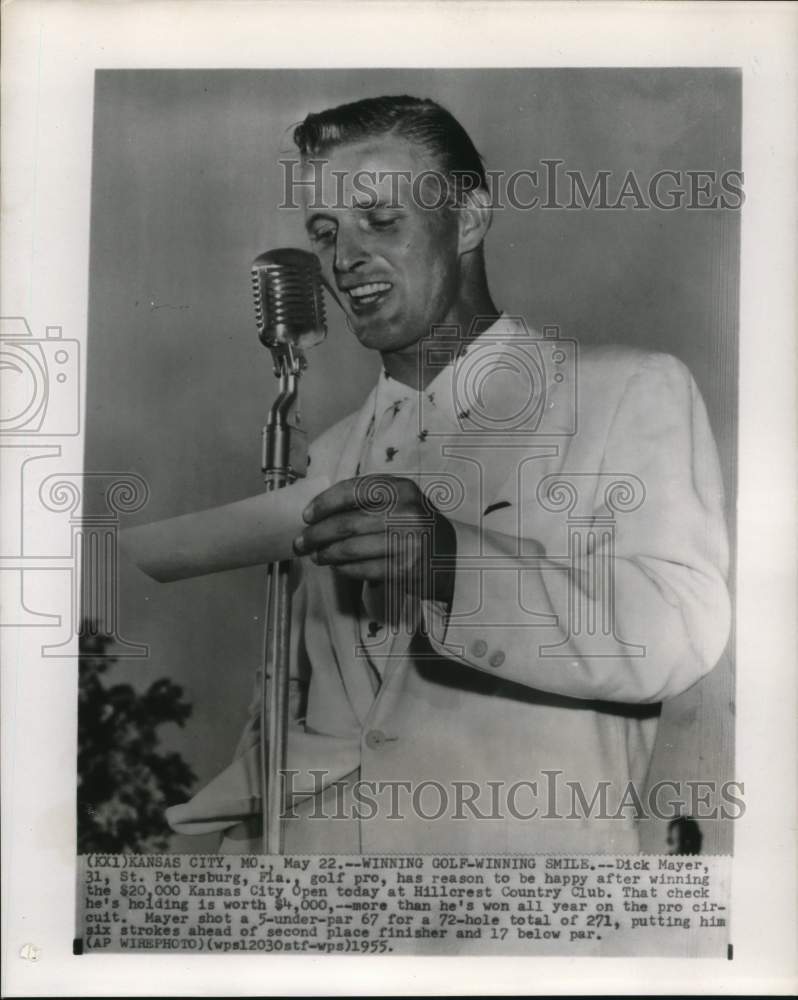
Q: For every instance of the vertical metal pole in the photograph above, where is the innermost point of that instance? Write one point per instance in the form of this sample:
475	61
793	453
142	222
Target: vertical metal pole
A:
264	756
279	650
277	632
274	703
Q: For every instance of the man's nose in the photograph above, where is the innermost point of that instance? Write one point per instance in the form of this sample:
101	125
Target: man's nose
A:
349	249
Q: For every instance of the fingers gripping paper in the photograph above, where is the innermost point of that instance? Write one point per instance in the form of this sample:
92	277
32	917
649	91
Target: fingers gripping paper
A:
257	530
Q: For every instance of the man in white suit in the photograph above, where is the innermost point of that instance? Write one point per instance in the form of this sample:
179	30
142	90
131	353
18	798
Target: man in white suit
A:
521	555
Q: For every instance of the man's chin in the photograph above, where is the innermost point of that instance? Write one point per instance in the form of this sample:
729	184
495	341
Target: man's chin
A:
372	332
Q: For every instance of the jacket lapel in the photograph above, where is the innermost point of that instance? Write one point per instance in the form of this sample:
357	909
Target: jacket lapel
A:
341	596
347	464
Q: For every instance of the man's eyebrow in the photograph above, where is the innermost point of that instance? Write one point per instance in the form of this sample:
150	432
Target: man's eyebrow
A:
368	204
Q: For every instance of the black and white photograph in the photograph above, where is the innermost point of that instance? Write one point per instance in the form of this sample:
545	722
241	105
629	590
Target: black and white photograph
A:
524	407
393	501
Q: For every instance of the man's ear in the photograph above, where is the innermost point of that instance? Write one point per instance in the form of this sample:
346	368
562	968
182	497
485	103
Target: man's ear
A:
474	215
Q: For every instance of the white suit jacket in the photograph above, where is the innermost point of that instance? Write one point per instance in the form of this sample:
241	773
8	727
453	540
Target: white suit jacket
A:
591	559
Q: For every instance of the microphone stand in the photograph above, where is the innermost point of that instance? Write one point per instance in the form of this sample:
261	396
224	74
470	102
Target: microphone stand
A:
284	459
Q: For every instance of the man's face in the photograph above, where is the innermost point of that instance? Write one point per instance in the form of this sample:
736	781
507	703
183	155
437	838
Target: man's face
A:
392	264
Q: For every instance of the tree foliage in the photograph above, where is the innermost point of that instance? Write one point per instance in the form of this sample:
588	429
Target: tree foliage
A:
125	782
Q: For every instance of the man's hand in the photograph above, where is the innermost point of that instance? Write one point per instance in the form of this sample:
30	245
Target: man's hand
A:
349	526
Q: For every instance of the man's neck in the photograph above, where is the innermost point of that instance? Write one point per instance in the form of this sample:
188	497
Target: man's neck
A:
408	366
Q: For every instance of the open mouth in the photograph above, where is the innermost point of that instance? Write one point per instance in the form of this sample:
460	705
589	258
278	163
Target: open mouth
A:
367	297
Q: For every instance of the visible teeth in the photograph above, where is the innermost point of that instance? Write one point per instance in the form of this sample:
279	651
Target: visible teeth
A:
362	290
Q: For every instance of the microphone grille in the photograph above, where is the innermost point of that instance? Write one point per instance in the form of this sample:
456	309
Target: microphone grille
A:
289	300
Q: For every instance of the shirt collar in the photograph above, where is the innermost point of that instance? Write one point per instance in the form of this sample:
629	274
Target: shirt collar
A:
388	391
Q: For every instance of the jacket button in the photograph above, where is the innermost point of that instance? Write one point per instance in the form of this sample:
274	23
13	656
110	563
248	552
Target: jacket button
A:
479	648
496	659
375	738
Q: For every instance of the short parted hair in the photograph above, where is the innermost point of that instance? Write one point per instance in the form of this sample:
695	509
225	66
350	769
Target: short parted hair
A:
417	119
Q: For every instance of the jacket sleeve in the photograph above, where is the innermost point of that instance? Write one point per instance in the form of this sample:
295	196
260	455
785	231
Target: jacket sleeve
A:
663	583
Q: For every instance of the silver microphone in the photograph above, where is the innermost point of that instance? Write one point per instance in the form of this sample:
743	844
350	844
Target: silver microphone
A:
289	300
289	313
